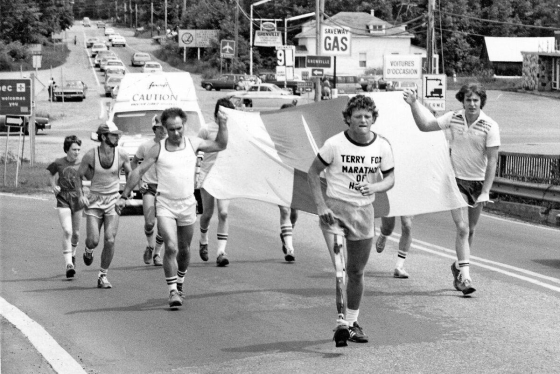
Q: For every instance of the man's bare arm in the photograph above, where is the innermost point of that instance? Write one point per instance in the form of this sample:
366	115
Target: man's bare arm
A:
424	119
221	138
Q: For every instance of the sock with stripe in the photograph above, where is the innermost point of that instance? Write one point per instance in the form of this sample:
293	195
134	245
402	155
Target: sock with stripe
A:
172	283
287	236
180	279
464	267
159	244
401	256
222	243
203	235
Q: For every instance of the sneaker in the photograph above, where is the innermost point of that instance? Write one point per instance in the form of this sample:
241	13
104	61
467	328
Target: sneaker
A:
88	258
456	273
284	249
180	290
158	261
70	271
465	286
148	255
103	282
380	243
222	260
400	273
357	335
203	252
341	336
290	256
175	298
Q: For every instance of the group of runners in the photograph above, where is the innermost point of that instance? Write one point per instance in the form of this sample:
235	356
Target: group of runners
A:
346	214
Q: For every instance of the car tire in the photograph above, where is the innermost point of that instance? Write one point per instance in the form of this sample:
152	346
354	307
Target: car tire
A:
107	94
208	87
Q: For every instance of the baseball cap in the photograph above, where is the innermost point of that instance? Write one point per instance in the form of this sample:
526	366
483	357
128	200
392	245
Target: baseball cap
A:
108	127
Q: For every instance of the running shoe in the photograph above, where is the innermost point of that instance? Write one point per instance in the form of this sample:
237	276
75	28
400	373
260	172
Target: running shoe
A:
222	260
203	251
400	273
148	255
465	286
175	298
456	273
70	271
290	256
284	249
103	282
88	258
341	336
180	290
157	260
380	243
357	335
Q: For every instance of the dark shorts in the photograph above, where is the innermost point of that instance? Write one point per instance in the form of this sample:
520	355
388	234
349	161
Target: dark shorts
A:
471	189
148	188
69	199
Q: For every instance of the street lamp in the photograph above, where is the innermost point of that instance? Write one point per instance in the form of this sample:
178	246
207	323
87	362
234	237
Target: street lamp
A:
293	19
251	35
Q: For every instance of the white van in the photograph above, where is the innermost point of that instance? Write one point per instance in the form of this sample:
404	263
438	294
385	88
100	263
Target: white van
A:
141	96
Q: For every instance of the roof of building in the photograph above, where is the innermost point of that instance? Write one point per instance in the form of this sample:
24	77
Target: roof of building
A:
508	49
358	23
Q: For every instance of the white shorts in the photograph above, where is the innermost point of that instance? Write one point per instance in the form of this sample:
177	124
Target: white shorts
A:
183	210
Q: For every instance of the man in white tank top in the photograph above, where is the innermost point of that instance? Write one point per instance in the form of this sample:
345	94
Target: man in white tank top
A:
103	164
175	162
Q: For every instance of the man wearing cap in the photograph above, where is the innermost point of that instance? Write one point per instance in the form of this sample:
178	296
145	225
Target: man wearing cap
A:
103	164
148	189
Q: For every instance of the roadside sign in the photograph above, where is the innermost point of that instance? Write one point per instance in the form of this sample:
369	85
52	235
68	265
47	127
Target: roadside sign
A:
317	72
15	96
268	26
14	121
285	55
318	61
227	48
402	67
433	91
335	40
197	38
268	38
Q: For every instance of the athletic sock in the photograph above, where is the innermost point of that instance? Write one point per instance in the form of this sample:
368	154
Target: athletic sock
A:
204	235
181	276
74	247
89	250
222	243
159	244
67	256
464	268
352	316
401	256
102	272
172	283
286	232
150	237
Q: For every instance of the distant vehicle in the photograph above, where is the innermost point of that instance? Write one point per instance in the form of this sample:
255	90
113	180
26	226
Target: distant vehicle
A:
72	89
297	86
115	91
100	24
91	41
105	60
86	22
115	64
109	31
41	123
110	83
401	86
224	82
114	72
118	40
140	58
346	84
97	47
101	55
152	67
266	90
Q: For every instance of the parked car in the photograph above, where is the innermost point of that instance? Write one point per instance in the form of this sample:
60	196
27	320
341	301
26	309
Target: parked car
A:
101	55
266	90
224	82
114	72
152	67
401	86
118	40
115	64
100	24
41	123
105	60
109	31
140	58
91	41
86	22
346	84
111	82
98	47
72	89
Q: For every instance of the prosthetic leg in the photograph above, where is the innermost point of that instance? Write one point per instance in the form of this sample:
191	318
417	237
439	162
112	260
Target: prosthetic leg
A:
341	333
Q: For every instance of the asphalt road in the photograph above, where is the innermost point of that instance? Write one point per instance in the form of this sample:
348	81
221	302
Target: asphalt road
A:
263	315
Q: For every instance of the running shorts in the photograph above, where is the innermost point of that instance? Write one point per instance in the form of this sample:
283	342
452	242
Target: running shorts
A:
69	199
353	222
470	189
183	210
101	205
148	188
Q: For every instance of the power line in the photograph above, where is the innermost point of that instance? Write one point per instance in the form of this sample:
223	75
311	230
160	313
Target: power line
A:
499	22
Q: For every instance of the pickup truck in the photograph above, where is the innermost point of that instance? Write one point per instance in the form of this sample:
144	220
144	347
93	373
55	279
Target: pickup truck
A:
297	87
224	82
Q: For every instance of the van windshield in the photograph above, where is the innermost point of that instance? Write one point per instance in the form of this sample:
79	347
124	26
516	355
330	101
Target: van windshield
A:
140	123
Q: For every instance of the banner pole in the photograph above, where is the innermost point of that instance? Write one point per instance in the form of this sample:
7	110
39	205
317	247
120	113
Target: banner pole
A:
18	158
6	154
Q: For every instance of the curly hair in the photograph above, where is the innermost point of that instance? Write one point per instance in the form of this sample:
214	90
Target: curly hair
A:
470	88
69	140
360	102
173	113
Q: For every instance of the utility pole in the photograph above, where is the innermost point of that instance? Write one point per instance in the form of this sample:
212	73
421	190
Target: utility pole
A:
152	19
430	37
318	18
235	54
165	10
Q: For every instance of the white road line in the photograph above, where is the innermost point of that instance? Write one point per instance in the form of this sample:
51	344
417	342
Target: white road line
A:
519	222
22	196
57	357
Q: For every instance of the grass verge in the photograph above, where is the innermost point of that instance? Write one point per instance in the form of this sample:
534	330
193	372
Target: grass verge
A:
31	179
54	55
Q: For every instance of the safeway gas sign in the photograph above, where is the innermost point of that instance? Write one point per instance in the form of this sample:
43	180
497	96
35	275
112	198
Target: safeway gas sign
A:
402	66
335	41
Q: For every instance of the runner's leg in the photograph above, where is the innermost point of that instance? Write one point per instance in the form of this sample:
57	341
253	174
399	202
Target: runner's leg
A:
223	226
65	218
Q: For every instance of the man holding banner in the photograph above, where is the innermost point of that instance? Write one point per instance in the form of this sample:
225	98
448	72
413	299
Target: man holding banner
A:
351	159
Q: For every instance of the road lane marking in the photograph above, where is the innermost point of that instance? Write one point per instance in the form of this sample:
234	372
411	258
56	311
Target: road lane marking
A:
23	196
89	60
520	222
60	360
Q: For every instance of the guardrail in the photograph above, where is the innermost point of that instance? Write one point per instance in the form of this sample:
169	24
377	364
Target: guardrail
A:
544	192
